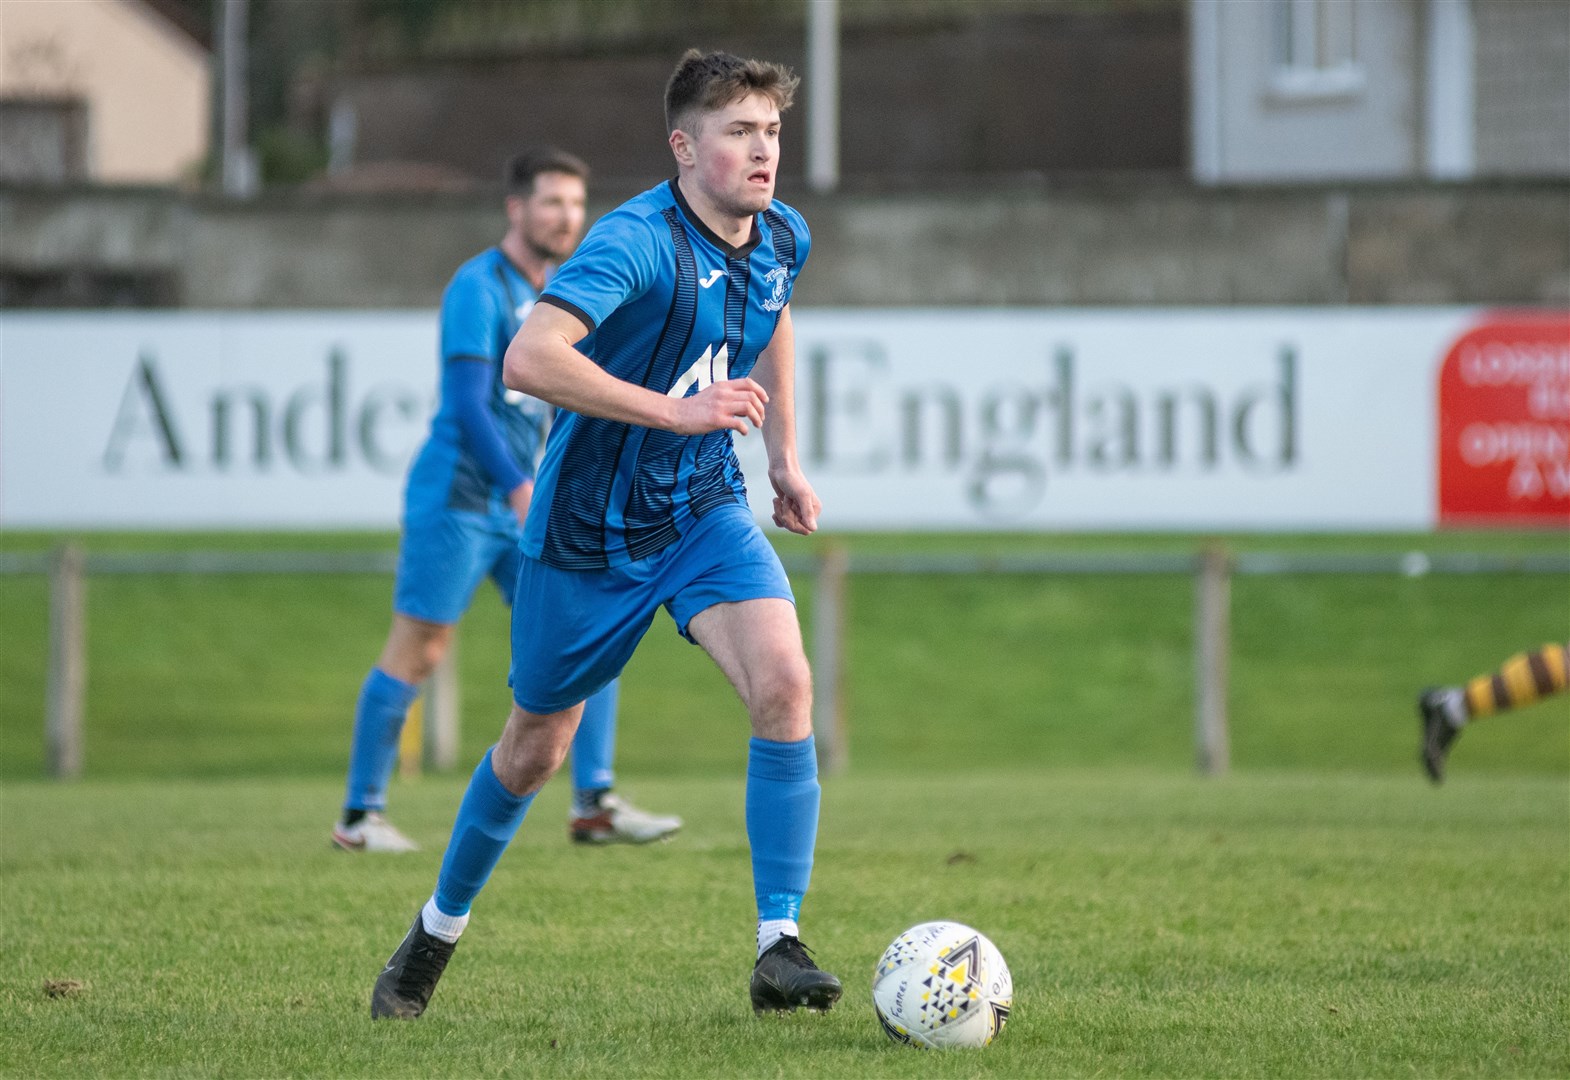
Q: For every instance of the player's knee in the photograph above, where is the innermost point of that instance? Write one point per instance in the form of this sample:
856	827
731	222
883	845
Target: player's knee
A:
531	749
783	691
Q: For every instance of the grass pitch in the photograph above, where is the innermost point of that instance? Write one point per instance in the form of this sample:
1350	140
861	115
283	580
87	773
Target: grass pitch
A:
1156	925
1020	752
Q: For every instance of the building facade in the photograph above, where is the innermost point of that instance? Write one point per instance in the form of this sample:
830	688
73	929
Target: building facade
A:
103	91
1290	90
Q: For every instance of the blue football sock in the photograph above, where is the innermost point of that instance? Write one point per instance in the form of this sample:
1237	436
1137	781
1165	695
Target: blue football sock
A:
378	720
594	746
488	818
782	822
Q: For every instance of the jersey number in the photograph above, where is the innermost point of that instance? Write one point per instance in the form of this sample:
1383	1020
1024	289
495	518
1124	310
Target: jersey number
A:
710	368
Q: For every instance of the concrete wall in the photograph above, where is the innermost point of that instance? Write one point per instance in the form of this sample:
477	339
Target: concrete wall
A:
1156	242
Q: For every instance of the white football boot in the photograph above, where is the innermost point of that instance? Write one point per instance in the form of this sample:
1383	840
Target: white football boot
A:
372	833
617	821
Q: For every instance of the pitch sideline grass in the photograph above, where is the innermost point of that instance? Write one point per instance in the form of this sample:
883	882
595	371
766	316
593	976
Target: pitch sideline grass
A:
257	675
1277	924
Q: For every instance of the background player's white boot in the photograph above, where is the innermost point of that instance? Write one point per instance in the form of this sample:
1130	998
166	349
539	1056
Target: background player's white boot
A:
372	833
617	821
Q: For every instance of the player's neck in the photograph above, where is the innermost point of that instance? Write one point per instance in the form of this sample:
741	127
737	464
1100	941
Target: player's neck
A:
528	262
735	231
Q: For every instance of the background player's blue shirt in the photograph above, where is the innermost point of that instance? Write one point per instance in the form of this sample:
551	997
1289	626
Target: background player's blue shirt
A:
466	464
671	307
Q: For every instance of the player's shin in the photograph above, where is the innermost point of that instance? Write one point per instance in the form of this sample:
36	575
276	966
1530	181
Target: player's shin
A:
782	828
488	818
378	719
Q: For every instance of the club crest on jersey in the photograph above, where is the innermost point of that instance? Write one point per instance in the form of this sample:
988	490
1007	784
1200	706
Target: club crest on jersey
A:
521	312
779	277
711	367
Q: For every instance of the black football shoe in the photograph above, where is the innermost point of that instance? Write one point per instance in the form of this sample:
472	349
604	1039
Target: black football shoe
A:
406	984
1438	733
785	978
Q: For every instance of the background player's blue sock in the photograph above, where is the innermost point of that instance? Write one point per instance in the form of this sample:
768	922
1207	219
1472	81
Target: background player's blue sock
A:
378	718
782	823
594	746
488	818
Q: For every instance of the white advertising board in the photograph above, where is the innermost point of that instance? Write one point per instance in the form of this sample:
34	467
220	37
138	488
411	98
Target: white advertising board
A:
1224	419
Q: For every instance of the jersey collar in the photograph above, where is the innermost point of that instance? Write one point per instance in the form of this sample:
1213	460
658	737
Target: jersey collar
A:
709	234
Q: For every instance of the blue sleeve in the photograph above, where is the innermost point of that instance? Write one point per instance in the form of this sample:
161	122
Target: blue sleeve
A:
616	262
469	318
466	386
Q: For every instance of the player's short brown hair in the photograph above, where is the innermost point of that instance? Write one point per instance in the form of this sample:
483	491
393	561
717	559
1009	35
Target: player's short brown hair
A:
524	168
704	82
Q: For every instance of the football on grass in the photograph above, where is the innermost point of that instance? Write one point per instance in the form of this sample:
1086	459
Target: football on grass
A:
942	985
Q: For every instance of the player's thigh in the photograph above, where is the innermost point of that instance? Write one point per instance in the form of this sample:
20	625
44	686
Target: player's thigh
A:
724	559
757	644
573	631
442	558
732	597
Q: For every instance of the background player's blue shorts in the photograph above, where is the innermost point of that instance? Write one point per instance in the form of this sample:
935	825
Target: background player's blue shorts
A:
443	556
574	630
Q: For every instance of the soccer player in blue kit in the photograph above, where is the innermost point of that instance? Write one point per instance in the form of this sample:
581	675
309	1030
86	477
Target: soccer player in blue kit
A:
666	332
467	496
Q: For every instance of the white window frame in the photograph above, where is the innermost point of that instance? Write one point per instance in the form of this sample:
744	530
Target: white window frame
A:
1319	60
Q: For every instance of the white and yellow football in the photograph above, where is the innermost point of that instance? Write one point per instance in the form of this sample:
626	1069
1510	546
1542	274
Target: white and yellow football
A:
942	985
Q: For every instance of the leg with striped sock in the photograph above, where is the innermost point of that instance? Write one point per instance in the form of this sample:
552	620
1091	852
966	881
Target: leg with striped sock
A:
1520	680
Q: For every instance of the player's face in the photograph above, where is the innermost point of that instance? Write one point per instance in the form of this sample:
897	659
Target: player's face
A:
737	155
550	219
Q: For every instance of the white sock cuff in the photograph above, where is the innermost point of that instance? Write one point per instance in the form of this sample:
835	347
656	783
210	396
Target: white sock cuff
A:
1454	704
771	930
439	925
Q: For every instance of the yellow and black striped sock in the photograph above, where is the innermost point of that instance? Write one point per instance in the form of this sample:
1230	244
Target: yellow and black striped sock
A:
1521	680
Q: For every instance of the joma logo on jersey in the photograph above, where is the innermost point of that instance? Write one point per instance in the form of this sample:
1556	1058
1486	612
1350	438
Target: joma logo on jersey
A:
710	368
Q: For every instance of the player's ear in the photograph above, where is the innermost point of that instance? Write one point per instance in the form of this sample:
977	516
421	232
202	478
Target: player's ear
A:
681	147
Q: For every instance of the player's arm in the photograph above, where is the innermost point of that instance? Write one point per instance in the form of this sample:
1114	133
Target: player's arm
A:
543	361
469	317
796	505
466	383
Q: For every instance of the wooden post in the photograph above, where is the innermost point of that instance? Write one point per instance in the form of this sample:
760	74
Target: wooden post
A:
67	687
411	739
1212	634
429	739
443	704
828	649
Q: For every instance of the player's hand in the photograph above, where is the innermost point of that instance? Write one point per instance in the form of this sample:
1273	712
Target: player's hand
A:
519	497
796	505
731	404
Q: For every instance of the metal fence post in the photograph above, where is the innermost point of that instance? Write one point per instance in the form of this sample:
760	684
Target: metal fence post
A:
67	662
1212	642
828	645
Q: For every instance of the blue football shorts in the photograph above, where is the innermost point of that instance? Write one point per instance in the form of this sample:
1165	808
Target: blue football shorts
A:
445	554
574	630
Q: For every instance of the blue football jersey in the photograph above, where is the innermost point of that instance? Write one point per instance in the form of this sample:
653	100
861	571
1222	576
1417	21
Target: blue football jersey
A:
482	308
671	307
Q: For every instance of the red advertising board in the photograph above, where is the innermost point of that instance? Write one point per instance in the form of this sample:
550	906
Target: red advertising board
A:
1504	423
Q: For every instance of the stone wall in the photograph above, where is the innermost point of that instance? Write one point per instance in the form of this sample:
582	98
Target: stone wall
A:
1124	242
